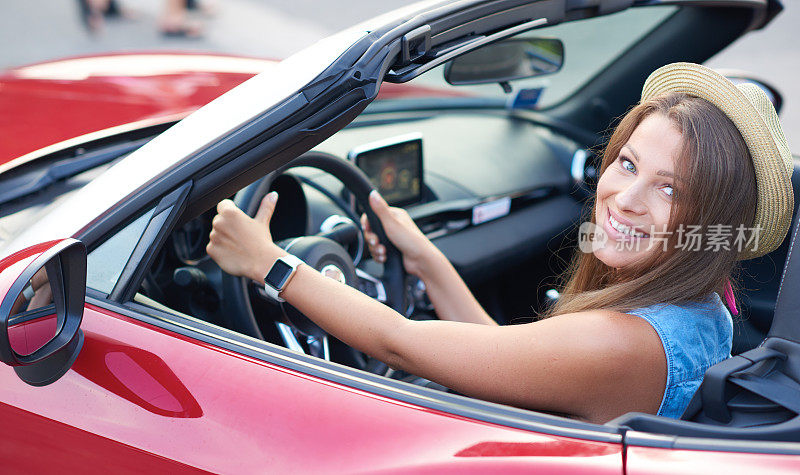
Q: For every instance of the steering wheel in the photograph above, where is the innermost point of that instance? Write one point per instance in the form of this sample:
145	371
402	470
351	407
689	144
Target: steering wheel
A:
322	253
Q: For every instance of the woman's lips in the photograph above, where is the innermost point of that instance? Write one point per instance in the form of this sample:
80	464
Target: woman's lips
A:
618	235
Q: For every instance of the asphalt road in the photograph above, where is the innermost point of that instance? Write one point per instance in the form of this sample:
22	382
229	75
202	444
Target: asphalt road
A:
38	30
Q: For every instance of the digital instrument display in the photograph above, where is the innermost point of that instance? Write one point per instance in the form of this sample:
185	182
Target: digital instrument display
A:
394	166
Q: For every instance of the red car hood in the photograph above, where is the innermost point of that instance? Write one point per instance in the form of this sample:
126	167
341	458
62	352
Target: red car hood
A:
47	103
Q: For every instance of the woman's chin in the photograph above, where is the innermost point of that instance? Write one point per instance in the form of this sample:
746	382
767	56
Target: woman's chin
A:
616	258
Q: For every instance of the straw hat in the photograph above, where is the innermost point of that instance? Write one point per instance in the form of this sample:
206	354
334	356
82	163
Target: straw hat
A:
753	114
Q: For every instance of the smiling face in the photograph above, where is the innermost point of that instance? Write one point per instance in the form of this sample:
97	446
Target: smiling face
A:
714	182
634	194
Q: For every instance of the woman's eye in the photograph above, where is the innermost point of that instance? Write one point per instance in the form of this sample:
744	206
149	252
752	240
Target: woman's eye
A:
628	165
668	190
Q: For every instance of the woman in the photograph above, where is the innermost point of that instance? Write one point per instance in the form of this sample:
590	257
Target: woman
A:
640	318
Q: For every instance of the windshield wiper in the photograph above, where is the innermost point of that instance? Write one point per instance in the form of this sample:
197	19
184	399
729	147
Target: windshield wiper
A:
33	181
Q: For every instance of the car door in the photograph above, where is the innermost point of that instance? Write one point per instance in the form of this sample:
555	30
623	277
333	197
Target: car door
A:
154	390
144	398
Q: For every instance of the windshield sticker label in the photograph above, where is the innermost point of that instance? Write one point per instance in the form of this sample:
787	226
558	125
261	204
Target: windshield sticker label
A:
491	210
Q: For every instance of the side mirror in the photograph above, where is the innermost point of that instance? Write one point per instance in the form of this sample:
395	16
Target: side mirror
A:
504	61
43	290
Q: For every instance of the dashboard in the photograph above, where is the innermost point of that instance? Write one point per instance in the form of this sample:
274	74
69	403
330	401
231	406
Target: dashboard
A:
496	189
492	191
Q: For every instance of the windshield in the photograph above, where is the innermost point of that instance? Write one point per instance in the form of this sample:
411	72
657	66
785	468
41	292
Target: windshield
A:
19	215
589	47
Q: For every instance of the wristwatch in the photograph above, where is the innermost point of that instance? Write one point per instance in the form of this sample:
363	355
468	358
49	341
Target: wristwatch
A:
279	275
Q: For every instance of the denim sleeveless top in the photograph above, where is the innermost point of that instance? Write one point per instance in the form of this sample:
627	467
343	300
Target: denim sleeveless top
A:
695	336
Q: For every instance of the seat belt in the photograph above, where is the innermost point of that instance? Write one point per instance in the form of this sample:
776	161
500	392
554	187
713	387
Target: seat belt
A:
785	323
777	388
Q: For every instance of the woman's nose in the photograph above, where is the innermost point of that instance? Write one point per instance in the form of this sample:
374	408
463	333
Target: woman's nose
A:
631	199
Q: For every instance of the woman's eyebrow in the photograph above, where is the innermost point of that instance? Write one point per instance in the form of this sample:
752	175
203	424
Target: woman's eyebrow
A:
636	156
633	152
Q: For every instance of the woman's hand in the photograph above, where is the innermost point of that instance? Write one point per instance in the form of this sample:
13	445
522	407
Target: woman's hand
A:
401	230
242	245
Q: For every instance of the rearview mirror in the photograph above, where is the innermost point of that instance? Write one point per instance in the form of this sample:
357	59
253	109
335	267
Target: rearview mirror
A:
43	289
507	60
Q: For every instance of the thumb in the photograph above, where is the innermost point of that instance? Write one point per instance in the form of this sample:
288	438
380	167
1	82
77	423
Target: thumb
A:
379	205
267	207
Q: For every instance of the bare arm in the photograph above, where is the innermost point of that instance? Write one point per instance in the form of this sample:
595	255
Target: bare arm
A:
594	365
449	294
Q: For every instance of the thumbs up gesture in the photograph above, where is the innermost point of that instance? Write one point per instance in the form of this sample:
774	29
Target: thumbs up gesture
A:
239	244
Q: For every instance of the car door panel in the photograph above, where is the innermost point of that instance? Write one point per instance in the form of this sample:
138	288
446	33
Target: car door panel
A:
36	444
149	397
651	460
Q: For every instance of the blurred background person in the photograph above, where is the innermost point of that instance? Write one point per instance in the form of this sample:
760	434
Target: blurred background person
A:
174	19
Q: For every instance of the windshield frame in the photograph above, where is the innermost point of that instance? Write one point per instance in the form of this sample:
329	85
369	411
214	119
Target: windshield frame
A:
200	130
603	52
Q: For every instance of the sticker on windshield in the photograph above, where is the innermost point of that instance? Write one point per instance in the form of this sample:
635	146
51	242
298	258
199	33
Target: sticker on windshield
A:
491	210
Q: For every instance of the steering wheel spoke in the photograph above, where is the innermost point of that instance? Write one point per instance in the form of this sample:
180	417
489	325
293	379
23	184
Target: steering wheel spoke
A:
317	346
371	286
346	232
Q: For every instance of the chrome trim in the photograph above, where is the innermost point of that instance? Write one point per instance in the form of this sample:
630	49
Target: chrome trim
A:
291	243
379	288
332	271
552	294
326	353
289	338
332	221
578	166
287	335
336	219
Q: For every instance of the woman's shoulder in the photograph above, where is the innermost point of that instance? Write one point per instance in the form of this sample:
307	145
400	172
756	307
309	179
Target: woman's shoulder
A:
662	316
694	334
611	331
619	354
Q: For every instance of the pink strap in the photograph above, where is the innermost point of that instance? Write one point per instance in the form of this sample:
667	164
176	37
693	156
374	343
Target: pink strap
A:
729	298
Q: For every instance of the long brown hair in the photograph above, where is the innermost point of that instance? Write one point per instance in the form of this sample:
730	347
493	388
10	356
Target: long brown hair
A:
715	185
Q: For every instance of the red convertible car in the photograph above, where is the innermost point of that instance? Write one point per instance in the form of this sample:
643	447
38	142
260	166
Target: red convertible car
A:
127	349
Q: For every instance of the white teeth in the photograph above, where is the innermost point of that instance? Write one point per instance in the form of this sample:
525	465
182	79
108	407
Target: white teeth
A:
623	228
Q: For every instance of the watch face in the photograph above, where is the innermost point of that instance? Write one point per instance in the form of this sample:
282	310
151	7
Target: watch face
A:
277	276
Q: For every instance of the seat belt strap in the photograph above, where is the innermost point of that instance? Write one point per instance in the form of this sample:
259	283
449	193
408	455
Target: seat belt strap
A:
778	388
